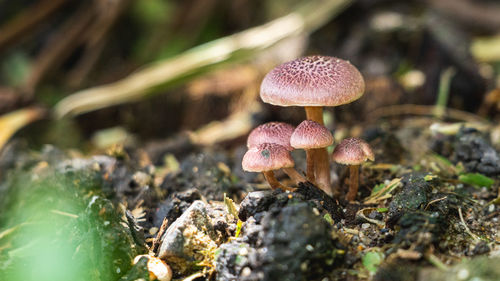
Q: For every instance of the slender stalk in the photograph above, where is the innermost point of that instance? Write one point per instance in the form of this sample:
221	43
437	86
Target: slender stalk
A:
273	182
320	155
310	165
294	175
315	113
353	183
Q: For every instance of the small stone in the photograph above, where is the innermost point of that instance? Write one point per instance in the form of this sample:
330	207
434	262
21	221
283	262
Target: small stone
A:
246	272
187	238
243	252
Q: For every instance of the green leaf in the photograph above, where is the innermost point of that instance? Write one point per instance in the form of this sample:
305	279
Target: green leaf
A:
476	179
329	219
239	225
430	177
372	260
377	188
382	210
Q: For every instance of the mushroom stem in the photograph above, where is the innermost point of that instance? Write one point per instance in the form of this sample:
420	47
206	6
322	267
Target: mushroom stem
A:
315	113
320	156
310	165
353	183
294	175
273	182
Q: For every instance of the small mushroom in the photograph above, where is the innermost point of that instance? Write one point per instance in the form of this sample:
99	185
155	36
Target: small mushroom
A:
157	268
278	133
311	136
272	132
314	82
266	158
353	152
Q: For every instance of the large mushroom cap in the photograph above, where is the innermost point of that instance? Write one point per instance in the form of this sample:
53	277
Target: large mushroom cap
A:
310	135
267	157
272	132
313	81
352	151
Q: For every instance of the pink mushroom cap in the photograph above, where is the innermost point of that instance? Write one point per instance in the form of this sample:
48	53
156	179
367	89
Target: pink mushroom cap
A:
313	81
272	132
310	135
267	157
352	151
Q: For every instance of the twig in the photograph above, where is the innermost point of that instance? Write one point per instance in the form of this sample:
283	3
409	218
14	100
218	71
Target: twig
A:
235	125
241	45
25	22
96	40
161	231
13	121
472	12
415	109
474	236
58	47
436	262
434	201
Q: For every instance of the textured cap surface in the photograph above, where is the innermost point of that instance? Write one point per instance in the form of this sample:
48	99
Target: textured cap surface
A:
313	81
272	132
352	151
267	157
310	134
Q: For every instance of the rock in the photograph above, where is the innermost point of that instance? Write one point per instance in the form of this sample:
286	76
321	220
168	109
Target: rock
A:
184	243
175	205
258	202
476	153
233	261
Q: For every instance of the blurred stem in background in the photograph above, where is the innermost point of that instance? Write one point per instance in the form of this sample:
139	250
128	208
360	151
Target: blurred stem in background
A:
443	92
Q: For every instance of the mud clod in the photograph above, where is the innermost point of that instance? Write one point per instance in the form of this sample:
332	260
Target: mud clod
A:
476	153
293	244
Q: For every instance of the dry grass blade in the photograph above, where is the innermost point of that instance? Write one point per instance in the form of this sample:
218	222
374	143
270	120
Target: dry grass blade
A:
384	192
13	121
305	19
230	206
422	110
235	125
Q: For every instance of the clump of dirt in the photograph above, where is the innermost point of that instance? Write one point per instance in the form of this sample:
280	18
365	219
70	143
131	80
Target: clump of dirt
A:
288	242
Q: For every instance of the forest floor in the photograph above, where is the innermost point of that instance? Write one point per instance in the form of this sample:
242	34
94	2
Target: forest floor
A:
428	202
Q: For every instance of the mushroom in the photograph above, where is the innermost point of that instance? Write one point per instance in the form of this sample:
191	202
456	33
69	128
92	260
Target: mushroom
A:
272	132
353	152
266	158
314	82
311	136
278	133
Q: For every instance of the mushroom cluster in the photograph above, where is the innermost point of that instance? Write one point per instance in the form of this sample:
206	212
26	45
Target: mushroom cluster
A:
311	82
